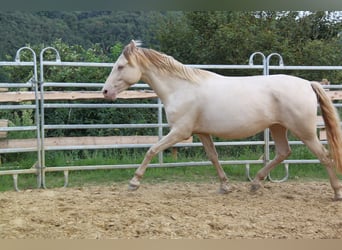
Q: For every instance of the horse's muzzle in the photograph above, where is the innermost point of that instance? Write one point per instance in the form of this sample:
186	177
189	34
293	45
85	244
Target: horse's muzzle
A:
108	95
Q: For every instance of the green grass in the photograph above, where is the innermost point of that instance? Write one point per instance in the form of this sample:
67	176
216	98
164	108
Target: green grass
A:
157	175
298	172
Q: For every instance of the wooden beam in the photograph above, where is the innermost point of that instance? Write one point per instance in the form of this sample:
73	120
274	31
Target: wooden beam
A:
82	141
82	95
3	123
322	134
334	94
72	95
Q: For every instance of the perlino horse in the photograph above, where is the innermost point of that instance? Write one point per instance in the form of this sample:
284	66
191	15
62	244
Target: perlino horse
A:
204	103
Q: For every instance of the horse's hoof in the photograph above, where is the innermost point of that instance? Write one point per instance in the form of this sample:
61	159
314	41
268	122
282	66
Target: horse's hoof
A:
225	189
338	197
255	187
133	185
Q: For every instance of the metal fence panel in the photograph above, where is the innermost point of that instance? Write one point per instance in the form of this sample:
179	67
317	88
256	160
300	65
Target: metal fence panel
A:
32	84
42	106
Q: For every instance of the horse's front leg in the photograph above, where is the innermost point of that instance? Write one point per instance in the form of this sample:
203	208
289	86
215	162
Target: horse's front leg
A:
170	139
211	152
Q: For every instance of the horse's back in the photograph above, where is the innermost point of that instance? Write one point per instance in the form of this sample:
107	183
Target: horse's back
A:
243	106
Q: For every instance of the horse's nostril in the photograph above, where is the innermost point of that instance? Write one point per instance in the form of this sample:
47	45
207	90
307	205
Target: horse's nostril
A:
105	91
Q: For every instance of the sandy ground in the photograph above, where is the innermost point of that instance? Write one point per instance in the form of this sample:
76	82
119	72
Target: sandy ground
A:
289	210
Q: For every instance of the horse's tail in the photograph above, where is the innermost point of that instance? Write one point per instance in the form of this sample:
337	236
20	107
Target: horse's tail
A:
332	124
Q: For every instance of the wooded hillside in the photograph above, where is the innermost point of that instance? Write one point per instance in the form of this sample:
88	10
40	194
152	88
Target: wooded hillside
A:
106	28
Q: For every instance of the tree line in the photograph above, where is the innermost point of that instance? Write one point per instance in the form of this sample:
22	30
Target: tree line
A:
194	37
19	28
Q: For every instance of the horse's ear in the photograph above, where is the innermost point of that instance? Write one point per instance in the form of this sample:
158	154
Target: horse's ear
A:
136	43
133	43
129	49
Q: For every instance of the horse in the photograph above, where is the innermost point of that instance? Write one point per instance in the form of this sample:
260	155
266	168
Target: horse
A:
207	104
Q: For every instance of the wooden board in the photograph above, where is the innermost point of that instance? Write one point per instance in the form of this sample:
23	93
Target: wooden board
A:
82	141
334	94
320	122
322	135
72	95
321	128
3	123
79	95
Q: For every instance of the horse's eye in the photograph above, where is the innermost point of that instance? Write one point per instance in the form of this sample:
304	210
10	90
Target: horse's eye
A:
120	67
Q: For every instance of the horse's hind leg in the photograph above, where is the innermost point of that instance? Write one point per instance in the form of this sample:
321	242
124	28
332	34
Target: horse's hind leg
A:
279	135
210	150
322	154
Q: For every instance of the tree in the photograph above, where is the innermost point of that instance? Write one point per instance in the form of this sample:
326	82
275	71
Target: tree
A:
225	37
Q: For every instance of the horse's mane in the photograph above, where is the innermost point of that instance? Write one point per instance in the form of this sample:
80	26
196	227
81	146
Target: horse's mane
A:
163	63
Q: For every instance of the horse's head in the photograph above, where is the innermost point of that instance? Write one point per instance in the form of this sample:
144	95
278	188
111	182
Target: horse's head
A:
125	73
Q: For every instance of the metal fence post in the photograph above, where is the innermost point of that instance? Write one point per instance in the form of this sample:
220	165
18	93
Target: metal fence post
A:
42	111
267	135
160	129
266	155
32	83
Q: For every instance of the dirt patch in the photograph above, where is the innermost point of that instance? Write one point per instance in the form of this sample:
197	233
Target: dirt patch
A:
174	210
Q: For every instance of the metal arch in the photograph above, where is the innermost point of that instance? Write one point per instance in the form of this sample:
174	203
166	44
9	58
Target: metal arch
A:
248	172
17	55
285	178
58	59
248	176
281	61
251	60
66	179
34	57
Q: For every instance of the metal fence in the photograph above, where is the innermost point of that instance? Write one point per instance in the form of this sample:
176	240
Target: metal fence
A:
31	84
42	106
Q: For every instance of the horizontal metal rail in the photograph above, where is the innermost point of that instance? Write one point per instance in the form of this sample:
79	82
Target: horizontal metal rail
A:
22	128
11	107
88	85
113	126
101	65
15	85
18	150
283	67
103	105
17	64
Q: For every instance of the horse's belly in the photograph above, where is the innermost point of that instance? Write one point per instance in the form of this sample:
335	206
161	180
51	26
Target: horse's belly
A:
231	128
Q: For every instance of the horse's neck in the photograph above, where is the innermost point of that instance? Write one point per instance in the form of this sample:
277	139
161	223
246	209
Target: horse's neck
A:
163	85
